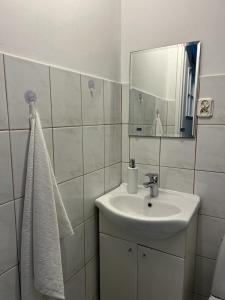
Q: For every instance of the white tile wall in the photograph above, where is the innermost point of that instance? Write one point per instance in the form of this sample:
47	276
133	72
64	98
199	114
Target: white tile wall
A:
92	101
92	279
86	157
190	165
112	102
68	152
8	250
204	275
93	142
76	286
112	177
113	144
72	195
91	241
66	98
211	141
72	248
21	76
3	103
145	150
9	285
178	153
93	188
181	180
6	190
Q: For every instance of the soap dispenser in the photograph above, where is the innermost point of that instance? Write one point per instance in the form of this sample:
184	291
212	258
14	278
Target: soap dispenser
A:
132	177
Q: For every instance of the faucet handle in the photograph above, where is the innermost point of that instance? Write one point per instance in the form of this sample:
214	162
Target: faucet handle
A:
153	177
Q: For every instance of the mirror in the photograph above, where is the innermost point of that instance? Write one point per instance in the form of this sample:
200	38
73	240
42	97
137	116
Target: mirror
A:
163	91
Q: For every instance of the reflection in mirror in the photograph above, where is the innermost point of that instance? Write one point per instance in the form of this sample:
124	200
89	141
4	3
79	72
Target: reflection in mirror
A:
163	90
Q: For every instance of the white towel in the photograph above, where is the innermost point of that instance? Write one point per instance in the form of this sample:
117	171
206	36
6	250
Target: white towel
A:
45	221
157	126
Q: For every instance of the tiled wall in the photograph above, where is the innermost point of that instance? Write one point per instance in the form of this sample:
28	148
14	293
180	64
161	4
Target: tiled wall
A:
190	165
83	134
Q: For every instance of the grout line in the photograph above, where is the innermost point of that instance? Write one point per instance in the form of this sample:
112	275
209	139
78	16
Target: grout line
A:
12	173
9	201
211	216
8	270
82	132
51	101
197	255
57	67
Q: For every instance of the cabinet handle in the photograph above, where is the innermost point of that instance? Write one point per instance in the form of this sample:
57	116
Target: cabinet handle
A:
130	250
143	255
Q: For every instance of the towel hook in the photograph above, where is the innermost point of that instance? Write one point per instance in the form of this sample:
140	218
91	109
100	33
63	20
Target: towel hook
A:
31	98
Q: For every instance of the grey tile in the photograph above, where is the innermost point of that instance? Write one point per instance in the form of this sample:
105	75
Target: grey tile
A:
6	188
3	103
125	143
145	150
21	76
211	189
93	188
199	297
72	248
68	153
210	233
72	195
9	285
93	143
75	287
91	238
125	103
20	140
66	98
181	180
112	102
178	153
92	279
19	219
113	141
214	87
204	275
8	251
112	177
92	100
210	154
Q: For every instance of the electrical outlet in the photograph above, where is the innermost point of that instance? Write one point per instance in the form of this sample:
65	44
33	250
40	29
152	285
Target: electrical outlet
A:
205	107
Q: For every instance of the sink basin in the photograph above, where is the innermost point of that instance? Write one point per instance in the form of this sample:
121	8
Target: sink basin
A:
159	217
136	207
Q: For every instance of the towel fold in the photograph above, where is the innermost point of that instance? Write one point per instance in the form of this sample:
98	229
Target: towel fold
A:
45	221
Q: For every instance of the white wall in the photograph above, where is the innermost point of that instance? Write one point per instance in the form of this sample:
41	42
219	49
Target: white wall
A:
79	34
155	23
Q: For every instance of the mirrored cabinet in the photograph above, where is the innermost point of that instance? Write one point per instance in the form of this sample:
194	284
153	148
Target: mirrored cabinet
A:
163	91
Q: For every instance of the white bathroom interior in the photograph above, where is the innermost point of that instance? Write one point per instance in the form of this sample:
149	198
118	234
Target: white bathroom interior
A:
112	150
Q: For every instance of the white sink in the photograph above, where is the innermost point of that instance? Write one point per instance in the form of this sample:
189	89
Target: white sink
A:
159	217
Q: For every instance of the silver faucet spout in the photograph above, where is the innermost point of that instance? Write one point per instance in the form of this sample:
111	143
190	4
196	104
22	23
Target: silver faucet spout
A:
152	184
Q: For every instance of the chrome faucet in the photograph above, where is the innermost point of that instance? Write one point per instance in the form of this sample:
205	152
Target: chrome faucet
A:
152	184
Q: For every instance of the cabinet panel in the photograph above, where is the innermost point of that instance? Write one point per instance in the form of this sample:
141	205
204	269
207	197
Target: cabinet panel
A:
160	275
118	269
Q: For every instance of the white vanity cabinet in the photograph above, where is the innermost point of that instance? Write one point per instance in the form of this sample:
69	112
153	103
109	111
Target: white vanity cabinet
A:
135	268
118	269
160	275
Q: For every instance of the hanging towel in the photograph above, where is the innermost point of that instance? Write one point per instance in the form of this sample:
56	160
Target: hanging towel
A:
45	221
157	125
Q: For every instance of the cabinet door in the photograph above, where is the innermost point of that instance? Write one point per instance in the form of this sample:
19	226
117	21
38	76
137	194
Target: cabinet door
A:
118	269
160	275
